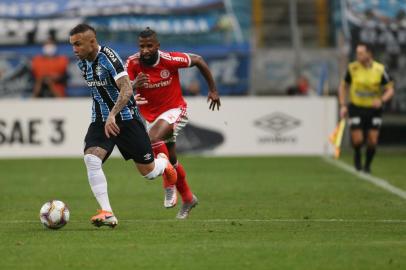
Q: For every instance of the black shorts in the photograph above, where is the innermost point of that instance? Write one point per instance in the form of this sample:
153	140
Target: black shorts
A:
132	141
364	118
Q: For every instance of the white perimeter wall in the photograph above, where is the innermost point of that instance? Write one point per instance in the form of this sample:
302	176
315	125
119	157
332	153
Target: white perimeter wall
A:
249	125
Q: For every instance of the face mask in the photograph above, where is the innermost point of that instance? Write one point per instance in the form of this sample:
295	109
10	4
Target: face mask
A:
151	61
49	50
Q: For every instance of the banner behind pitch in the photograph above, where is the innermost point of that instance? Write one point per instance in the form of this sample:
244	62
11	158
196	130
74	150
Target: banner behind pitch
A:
243	126
51	127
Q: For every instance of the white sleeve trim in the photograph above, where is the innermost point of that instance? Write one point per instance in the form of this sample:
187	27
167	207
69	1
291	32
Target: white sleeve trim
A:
190	60
121	74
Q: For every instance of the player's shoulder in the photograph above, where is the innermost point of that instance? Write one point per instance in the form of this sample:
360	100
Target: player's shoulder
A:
354	66
135	56
109	54
174	56
134	59
163	55
378	66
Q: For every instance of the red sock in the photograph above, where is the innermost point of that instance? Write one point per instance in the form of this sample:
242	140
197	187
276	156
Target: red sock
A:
160	147
181	184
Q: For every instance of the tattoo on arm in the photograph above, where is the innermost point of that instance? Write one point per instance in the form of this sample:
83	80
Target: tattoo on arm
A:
126	92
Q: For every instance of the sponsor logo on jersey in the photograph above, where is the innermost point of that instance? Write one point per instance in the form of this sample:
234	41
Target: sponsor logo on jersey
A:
110	54
160	84
147	156
97	83
165	74
179	59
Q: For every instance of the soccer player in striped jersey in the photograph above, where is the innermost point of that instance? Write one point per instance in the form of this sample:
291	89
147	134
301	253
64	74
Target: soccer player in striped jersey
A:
115	120
155	77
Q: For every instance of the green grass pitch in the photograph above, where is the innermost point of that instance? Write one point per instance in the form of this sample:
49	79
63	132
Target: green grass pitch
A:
254	213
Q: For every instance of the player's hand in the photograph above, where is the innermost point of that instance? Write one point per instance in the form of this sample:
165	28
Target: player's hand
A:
343	112
140	81
110	127
140	100
377	103
214	99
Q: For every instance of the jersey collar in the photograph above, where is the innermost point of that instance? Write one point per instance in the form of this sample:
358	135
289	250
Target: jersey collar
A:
98	51
157	61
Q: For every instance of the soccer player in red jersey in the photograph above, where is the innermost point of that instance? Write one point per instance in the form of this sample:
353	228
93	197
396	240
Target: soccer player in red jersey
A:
155	77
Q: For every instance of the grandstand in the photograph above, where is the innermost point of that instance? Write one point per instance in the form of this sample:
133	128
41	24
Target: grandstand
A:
271	195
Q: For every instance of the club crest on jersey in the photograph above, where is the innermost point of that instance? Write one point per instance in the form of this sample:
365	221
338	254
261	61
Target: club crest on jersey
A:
165	74
98	70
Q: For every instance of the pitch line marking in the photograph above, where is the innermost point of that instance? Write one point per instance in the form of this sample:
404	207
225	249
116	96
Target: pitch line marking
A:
382	183
272	220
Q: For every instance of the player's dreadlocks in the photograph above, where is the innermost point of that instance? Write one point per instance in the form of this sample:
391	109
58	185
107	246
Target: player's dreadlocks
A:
147	32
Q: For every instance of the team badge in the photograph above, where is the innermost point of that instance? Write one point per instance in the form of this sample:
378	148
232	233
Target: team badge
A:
165	74
98	70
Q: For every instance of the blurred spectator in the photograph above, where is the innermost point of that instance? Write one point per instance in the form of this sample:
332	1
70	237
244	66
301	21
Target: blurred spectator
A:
49	72
302	87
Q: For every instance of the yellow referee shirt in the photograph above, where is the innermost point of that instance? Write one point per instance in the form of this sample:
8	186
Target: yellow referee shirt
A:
366	83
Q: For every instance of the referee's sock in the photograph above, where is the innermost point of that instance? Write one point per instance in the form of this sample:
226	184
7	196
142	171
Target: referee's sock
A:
357	157
370	153
160	147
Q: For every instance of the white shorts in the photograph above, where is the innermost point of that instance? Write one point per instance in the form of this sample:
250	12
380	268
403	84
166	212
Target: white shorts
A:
177	117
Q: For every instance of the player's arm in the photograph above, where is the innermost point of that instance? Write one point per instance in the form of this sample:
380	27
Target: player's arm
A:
213	96
388	93
389	90
343	93
137	79
141	80
123	83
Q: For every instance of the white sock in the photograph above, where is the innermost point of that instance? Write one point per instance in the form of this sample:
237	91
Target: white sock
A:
97	181
160	165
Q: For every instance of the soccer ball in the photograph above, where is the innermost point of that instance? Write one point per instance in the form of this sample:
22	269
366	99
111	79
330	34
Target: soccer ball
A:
54	214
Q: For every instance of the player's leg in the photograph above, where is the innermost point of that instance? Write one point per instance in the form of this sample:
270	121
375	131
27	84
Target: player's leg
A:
357	137
372	141
181	184
158	132
133	143
189	200
97	149
374	122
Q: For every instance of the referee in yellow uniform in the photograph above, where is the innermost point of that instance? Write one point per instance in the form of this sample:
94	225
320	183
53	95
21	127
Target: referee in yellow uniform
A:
369	87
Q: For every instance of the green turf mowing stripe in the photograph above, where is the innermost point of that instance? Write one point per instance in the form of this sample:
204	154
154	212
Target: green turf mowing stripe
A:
382	183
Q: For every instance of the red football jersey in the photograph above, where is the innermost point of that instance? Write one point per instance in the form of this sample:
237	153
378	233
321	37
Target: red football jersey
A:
163	91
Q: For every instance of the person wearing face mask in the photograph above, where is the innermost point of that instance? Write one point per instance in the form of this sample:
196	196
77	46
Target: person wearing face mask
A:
49	71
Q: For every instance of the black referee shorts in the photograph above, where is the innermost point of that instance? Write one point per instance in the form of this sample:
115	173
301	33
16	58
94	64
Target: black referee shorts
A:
132	141
364	118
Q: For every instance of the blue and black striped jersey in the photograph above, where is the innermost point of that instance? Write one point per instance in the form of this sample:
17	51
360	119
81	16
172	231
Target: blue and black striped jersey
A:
101	76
